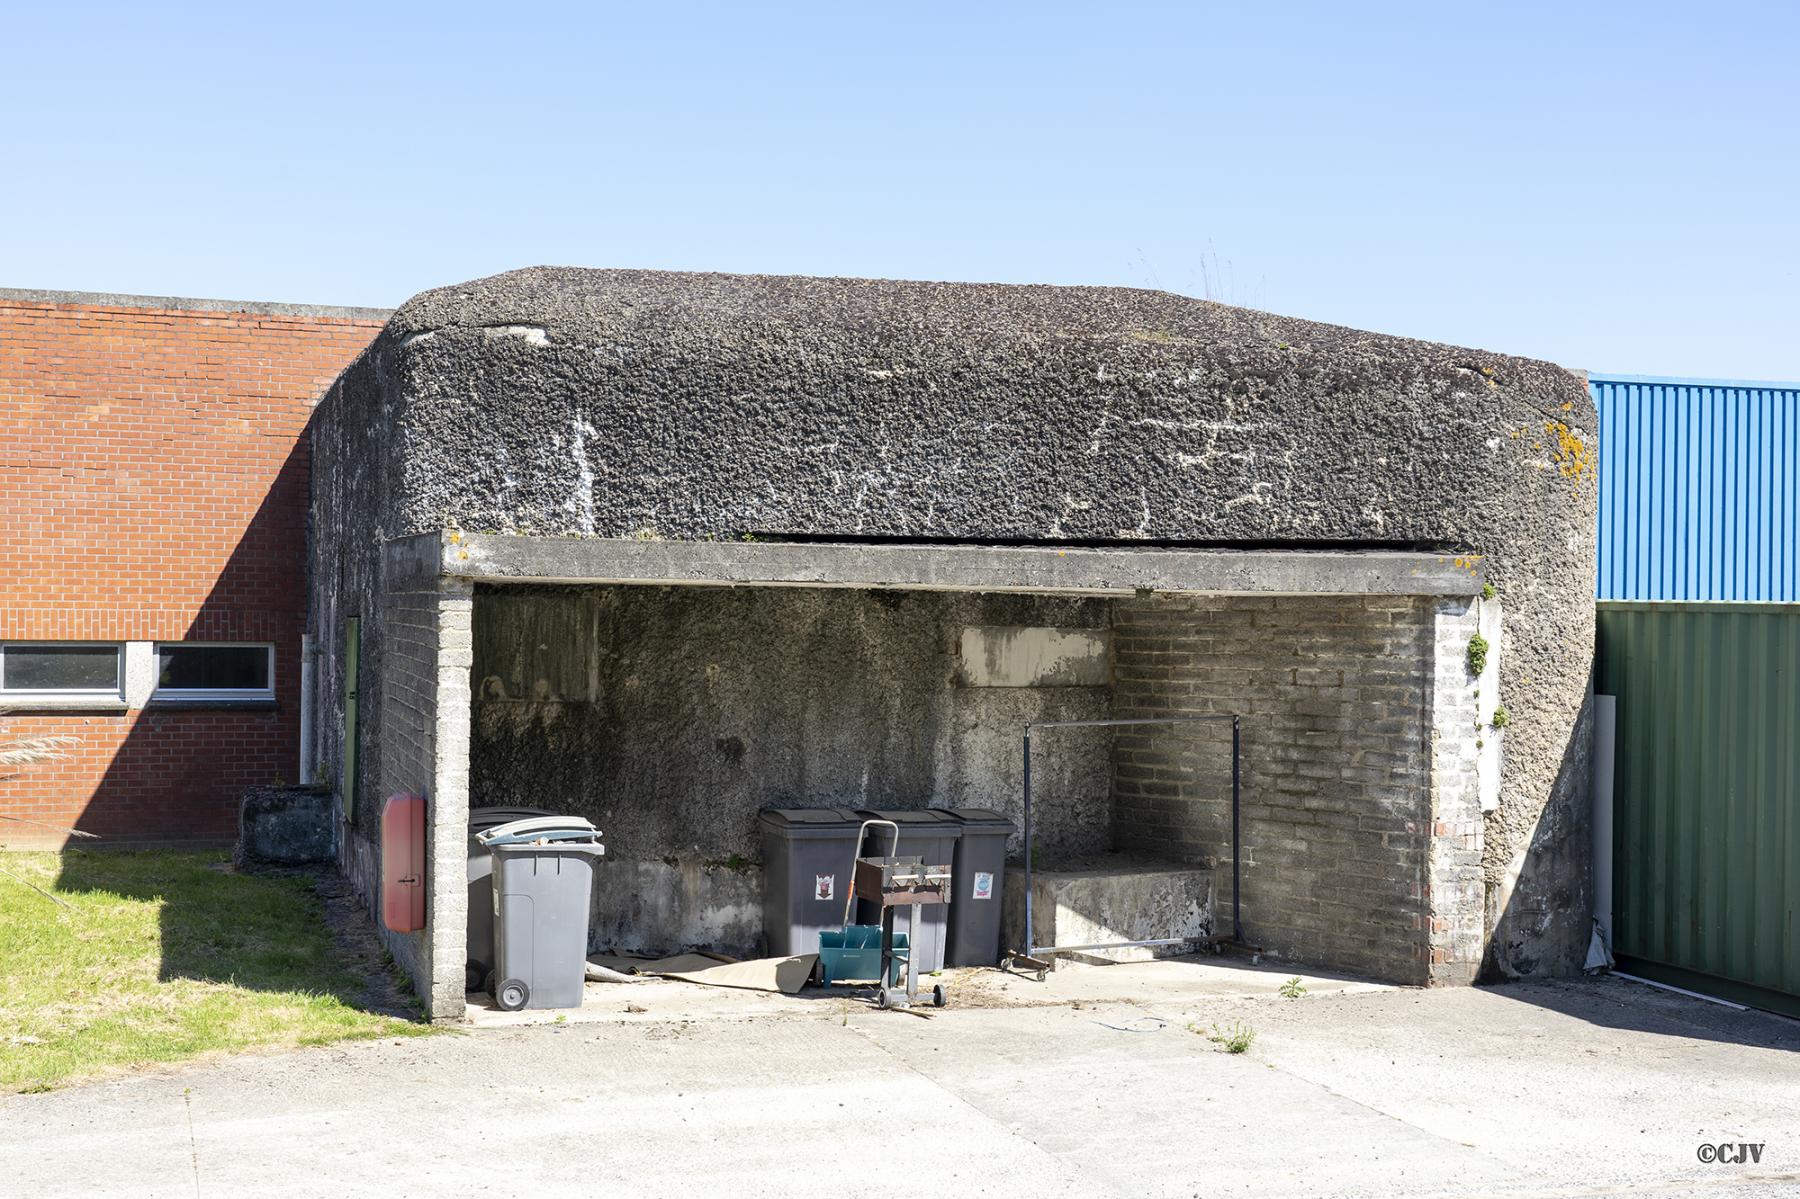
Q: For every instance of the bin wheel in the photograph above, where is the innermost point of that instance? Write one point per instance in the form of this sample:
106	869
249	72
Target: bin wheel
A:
512	995
937	997
881	998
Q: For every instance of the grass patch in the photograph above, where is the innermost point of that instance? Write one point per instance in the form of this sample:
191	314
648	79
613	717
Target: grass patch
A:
160	956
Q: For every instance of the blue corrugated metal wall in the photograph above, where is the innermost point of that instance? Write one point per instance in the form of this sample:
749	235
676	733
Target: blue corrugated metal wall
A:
1698	495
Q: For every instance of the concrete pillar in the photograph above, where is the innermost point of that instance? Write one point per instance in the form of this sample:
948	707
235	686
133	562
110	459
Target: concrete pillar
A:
1465	771
424	651
447	813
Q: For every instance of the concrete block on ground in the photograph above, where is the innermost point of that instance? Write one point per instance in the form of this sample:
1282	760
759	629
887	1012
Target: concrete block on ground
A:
285	826
1121	901
660	906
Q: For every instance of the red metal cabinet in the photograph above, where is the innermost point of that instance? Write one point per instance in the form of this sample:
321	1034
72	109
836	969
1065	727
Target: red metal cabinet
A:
403	863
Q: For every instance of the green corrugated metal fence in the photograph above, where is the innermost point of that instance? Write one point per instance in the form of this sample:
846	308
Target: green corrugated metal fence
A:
1706	794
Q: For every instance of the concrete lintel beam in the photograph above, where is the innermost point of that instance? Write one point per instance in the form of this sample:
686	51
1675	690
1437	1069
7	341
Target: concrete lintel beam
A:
1033	569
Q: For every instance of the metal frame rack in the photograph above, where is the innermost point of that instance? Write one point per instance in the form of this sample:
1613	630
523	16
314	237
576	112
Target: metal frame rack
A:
1035	956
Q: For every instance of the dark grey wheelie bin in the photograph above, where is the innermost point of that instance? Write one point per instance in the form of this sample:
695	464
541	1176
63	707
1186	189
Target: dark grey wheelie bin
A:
978	875
543	884
480	950
807	858
932	834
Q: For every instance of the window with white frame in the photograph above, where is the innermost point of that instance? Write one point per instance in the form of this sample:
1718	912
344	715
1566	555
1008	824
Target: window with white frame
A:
72	669
192	670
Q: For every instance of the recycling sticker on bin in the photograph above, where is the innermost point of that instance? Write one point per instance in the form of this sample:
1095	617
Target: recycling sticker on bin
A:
984	885
823	885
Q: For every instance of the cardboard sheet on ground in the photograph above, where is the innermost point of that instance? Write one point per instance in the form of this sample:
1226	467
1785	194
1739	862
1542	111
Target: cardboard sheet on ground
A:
786	975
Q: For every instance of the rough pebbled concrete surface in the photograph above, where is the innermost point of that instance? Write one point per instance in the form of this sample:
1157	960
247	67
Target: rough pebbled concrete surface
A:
614	403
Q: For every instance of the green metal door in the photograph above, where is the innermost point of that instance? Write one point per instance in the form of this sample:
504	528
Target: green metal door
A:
1706	794
352	655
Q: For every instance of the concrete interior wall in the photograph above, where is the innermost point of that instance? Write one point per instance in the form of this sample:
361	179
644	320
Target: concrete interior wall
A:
671	715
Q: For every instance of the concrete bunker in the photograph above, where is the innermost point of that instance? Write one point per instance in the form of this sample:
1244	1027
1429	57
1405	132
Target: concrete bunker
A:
967	508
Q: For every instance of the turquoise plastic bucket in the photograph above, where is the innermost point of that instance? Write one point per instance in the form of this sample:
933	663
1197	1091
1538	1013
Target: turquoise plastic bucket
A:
853	954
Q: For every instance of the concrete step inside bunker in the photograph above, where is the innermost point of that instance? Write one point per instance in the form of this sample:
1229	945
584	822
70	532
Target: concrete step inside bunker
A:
729	566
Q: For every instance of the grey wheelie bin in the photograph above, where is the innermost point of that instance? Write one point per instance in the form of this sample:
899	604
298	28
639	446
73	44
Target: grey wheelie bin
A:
543	883
807	859
481	890
932	834
978	873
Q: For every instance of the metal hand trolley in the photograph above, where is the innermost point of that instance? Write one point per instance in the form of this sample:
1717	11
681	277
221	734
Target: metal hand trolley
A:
891	883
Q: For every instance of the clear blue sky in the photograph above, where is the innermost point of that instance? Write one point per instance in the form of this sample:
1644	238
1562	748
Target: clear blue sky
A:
1608	186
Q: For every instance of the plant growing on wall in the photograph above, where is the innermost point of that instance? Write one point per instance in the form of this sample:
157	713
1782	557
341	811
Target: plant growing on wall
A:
1501	717
1478	652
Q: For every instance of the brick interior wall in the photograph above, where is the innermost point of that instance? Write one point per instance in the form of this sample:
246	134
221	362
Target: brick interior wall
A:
153	486
1334	693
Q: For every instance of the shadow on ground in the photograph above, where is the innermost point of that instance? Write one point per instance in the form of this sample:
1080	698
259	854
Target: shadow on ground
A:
1613	1002
274	929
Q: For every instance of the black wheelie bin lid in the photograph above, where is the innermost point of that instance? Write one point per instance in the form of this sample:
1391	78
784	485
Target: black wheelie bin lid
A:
912	817
981	819
806	824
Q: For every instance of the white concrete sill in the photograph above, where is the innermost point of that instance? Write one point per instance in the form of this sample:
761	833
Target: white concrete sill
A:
211	705
93	705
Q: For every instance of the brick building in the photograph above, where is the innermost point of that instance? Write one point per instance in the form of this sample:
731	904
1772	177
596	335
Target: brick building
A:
153	496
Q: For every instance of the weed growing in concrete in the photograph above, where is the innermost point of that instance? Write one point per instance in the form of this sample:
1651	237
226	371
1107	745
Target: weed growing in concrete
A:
1293	988
1502	717
1487	591
1236	1037
1478	652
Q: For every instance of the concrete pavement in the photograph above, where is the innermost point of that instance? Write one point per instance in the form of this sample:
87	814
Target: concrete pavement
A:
1584	1088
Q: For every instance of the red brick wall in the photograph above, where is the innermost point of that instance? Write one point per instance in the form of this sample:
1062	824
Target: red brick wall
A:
153	486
